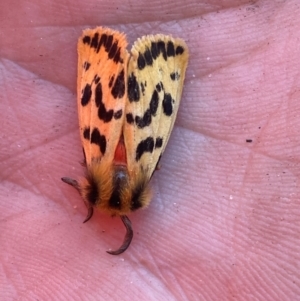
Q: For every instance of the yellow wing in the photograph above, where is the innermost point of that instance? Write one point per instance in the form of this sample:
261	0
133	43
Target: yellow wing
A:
156	74
101	90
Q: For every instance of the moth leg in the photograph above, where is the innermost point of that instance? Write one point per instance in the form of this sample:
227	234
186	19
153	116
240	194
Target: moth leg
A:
128	236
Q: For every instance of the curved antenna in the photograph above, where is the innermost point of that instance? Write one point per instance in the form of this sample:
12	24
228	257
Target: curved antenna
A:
128	236
71	182
89	214
75	184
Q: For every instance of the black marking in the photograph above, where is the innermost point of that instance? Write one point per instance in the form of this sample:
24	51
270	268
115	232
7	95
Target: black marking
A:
94	43
179	50
92	192
154	50
119	181
142	88
102	41
115	200
99	139
108	43
133	89
98	95
159	87
148	57
141	62
158	142
144	121
86	95
86	66
168	104
118	90
129	118
103	114
170	49
113	50
86	133
86	40
154	103
117	57
96	79
138	190
161	48
175	76
118	114
249	140
111	81
144	146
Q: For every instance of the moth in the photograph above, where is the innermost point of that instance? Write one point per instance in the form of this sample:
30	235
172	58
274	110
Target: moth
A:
127	106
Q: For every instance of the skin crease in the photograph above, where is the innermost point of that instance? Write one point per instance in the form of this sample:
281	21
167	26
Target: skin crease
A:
224	220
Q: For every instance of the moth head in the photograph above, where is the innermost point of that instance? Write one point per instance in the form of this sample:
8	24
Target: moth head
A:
113	190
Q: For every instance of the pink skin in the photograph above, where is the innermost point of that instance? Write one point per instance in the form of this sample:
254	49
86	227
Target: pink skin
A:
224	220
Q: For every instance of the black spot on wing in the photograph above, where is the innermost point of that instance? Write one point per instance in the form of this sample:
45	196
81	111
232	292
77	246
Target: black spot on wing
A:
118	90
159	87
102	41
161	48
94	43
86	66
129	118
98	94
168	104
99	139
154	50
86	40
179	50
113	50
117	57
86	95
144	121
141	62
154	103
103	113
144	146
148	57
175	76
133	89
96	79
170	49
86	133
158	142
118	114
108	43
